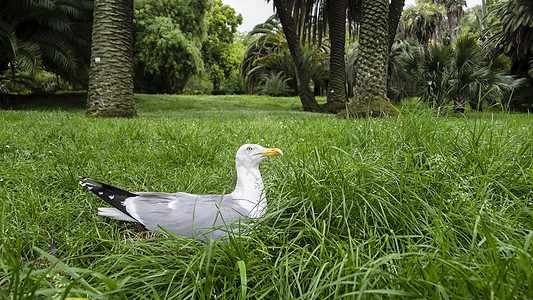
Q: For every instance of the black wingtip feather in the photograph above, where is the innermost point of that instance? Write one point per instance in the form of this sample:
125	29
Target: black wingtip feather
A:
110	194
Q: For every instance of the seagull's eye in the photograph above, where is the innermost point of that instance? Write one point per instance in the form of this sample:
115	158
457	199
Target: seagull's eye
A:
249	149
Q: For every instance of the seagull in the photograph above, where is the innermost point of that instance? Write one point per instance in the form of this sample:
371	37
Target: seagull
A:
202	217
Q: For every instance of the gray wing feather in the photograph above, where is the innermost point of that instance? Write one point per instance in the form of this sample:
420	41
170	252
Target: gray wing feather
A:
186	214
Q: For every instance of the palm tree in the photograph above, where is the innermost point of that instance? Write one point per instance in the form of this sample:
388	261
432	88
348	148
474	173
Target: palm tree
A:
484	14
513	36
315	18
110	91
395	13
423	22
377	13
454	13
283	10
336	11
458	74
268	56
373	59
473	23
50	34
269	40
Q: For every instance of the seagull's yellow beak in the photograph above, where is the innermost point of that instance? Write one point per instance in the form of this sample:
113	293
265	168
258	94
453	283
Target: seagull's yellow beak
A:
271	152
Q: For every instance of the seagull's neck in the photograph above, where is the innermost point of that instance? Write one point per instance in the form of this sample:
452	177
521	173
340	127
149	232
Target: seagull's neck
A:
249	191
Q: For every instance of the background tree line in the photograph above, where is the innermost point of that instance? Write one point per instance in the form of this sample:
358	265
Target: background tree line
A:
370	51
174	40
442	53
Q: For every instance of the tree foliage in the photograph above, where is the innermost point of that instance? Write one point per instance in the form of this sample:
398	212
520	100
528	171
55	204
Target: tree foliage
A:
275	85
217	49
169	35
511	33
52	35
458	74
316	19
423	22
268	54
513	36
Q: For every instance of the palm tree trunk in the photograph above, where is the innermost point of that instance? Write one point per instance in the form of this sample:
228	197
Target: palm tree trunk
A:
302	80
454	13
484	10
372	63
395	12
337	65
373	47
110	92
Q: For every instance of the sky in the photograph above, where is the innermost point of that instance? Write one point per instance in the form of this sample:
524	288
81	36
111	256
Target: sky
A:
257	11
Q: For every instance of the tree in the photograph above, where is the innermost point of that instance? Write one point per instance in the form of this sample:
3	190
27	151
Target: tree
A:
110	91
337	34
168	45
314	19
423	22
373	59
461	73
474	23
454	13
217	48
268	57
289	28
52	35
484	16
513	35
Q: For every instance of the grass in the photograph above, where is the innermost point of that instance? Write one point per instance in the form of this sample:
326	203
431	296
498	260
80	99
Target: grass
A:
418	206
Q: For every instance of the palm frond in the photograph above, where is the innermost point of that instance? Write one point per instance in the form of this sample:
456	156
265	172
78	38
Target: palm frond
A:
74	9
28	57
8	39
47	4
49	19
55	49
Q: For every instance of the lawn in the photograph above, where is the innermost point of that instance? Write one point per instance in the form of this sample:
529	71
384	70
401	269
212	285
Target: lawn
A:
419	206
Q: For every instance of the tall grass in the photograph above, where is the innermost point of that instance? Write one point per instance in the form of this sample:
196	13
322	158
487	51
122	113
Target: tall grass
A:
418	206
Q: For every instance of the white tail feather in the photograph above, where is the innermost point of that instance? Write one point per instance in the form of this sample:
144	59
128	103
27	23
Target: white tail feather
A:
114	213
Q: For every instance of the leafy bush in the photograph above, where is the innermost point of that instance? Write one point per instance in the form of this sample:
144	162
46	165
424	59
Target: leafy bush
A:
232	84
269	53
275	85
458	74
198	85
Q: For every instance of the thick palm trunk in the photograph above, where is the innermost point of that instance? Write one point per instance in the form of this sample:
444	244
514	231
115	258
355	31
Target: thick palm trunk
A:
371	65
395	12
302	80
372	62
110	91
337	66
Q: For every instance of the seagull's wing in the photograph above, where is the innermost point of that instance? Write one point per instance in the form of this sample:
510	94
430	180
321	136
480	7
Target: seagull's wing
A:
111	195
185	214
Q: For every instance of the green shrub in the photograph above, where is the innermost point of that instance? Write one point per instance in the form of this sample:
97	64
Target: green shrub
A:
198	85
232	84
275	85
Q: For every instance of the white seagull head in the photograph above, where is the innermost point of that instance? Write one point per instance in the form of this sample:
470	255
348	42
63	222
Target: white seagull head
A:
251	155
